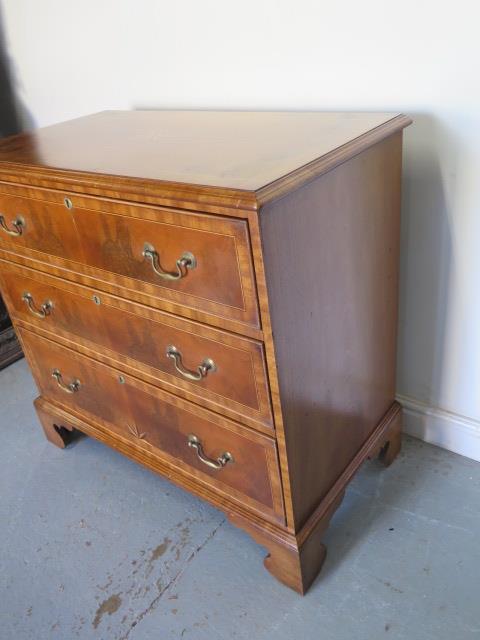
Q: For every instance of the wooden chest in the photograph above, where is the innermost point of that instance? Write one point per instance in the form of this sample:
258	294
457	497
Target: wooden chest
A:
215	295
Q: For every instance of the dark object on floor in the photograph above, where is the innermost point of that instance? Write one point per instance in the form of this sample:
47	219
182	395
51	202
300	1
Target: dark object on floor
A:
10	349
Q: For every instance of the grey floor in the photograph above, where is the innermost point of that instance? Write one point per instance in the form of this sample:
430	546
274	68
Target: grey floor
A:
94	546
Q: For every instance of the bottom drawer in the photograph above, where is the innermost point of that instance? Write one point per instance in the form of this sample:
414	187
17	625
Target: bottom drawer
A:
231	459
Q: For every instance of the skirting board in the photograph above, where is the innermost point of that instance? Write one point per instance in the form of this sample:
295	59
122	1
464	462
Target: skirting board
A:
445	429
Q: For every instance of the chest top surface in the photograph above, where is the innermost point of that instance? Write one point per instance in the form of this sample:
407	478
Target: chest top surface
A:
231	150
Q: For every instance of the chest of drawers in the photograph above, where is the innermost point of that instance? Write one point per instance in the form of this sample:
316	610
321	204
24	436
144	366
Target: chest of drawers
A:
215	296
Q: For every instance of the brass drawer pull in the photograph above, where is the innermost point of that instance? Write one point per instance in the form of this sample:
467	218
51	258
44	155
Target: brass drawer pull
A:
185	262
72	387
202	369
217	464
41	312
18	225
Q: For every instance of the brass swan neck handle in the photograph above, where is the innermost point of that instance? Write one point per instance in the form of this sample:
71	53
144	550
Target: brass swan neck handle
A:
219	463
203	368
18	225
184	263
41	312
71	387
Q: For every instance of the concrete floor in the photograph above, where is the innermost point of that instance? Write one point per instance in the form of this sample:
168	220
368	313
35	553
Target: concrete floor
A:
94	546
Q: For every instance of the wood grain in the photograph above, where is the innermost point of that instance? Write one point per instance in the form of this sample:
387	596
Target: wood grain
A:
331	258
106	239
242	150
136	338
294	220
161	423
209	161
293	559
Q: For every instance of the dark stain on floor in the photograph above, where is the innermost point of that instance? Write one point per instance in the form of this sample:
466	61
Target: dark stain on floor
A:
109	606
390	585
160	550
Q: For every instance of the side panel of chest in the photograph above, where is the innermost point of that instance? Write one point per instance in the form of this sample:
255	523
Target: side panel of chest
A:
331	255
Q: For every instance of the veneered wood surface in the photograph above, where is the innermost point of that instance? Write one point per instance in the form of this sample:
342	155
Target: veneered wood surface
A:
239	150
106	240
71	419
319	198
137	336
331	254
256	242
161	423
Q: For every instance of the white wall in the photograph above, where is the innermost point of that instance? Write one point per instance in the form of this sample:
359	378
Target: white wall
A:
72	58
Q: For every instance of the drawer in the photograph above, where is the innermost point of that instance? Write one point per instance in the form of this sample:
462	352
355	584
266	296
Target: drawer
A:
188	263
230	370
172	429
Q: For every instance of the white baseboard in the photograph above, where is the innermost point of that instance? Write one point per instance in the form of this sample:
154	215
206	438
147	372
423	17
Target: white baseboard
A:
448	430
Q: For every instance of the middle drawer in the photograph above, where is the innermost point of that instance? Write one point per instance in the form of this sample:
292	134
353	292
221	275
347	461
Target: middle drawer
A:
214	368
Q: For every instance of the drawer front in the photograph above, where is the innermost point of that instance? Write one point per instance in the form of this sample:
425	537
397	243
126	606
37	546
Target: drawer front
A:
198	261
230	371
163	424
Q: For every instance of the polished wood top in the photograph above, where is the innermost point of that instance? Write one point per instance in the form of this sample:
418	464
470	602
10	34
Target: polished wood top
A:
229	150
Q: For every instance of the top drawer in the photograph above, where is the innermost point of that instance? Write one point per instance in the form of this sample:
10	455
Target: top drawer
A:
189	264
